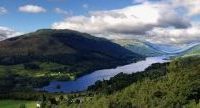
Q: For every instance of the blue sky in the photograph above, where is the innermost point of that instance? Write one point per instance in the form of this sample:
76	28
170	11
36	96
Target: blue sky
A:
28	22
158	21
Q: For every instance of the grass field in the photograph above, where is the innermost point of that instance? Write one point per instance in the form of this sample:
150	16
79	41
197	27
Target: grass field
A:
46	69
16	104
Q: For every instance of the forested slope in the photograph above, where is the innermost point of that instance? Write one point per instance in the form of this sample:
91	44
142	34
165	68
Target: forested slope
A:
179	87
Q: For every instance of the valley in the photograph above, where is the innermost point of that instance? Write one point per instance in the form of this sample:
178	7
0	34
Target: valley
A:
82	83
70	68
99	53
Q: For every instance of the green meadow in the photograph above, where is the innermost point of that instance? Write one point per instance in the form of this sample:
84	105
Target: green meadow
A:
17	104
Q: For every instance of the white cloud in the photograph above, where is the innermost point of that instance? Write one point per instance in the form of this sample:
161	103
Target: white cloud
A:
3	10
128	22
6	32
32	9
64	12
139	1
165	22
192	6
172	35
85	6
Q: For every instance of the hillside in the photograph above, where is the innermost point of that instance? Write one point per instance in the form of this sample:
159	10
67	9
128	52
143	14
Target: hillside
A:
178	87
138	47
193	51
33	59
46	41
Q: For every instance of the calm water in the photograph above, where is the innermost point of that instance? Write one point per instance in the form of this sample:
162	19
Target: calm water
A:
83	82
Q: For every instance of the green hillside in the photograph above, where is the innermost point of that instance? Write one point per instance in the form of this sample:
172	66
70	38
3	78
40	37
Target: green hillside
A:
138	47
193	51
17	104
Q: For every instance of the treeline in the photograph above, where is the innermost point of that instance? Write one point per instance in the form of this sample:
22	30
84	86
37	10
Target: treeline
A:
14	83
59	58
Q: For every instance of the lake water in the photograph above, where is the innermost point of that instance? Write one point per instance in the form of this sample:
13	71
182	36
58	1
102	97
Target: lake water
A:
83	82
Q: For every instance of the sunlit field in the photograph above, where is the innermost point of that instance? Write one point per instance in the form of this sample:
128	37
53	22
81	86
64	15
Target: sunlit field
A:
17	104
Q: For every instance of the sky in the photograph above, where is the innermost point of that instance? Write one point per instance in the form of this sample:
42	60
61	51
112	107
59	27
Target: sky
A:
156	21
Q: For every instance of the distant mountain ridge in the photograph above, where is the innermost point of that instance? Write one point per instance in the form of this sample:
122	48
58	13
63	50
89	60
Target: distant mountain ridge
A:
151	49
138	47
195	50
173	49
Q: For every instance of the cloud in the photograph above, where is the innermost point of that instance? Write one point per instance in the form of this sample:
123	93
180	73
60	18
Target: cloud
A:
6	32
192	6
139	1
85	6
172	18
63	12
32	9
172	35
3	10
128	22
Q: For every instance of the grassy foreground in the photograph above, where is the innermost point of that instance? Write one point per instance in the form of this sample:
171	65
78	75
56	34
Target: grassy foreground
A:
16	104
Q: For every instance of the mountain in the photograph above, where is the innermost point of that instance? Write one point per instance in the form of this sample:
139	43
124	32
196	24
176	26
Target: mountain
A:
174	48
138	47
47	42
36	58
195	50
